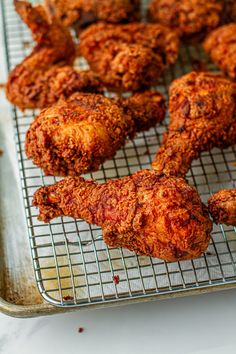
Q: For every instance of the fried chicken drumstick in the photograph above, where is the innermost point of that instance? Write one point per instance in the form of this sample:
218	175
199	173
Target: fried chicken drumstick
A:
78	134
202	116
220	45
131	56
222	207
192	19
146	213
81	13
45	75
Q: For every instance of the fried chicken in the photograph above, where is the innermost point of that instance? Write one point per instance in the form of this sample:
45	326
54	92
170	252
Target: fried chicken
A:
220	45
81	13
202	116
192	19
45	75
146	213
78	134
131	56
222	207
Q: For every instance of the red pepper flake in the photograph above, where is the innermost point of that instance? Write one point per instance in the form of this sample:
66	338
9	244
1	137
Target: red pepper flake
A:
116	279
68	297
81	330
1	152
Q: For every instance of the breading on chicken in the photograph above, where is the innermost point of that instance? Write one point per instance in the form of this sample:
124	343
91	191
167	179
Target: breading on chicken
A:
222	207
146	213
131	56
220	45
45	75
81	13
202	110
78	134
192	19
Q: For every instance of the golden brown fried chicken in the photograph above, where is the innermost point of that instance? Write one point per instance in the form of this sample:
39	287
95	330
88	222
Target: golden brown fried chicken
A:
192	19
79	134
220	45
147	213
81	13
128	57
45	75
202	116
222	207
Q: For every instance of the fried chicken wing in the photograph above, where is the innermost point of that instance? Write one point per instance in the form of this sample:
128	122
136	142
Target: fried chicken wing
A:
131	56
81	13
45	75
220	45
222	207
192	19
146	213
77	135
202	116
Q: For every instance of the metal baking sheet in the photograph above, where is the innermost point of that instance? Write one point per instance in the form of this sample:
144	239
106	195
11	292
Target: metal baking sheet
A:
66	263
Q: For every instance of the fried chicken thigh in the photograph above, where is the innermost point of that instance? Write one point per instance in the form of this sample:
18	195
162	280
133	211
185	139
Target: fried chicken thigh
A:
202	116
45	75
222	207
81	13
220	45
146	213
128	57
78	134
192	19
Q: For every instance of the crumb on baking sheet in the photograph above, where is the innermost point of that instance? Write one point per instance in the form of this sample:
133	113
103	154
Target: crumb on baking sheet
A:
209	253
1	152
26	44
146	152
81	330
68	298
116	279
2	85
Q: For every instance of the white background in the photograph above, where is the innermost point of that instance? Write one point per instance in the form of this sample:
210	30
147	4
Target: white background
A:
204	324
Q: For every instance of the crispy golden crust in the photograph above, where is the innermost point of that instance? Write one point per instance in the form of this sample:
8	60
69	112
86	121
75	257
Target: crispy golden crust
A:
127	67
77	135
148	214
222	207
82	13
202	116
147	108
220	45
39	89
128	57
43	76
192	19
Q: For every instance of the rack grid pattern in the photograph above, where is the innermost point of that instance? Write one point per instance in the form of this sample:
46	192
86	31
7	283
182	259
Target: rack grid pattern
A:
73	266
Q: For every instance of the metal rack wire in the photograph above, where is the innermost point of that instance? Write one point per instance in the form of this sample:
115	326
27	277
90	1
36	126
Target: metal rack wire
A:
73	266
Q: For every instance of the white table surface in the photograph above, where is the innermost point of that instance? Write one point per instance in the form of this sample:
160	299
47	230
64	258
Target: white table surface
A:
204	324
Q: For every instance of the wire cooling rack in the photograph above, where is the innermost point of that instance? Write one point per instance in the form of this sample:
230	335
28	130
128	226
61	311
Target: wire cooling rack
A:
73	266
